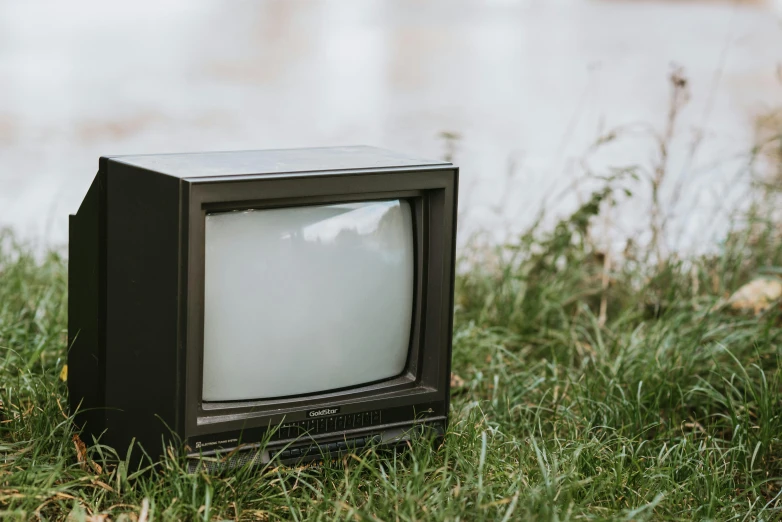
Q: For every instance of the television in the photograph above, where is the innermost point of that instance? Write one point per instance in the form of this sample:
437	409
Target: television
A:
258	305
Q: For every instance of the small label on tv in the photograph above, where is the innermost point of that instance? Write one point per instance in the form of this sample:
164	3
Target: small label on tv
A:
322	412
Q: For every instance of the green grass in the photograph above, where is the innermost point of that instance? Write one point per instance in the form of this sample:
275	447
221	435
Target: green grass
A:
663	407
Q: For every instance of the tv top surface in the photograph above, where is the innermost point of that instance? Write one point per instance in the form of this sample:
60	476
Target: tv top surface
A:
270	162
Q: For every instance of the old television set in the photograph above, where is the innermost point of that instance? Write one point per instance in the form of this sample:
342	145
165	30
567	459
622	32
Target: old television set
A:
257	305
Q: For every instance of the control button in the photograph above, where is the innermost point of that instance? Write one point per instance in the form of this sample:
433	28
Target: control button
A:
312	425
348	422
283	432
330	424
321	425
365	418
375	417
341	423
357	421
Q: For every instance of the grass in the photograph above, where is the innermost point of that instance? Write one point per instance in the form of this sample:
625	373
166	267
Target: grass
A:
587	392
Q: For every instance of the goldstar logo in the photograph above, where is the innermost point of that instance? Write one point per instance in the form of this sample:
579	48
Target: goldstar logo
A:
321	413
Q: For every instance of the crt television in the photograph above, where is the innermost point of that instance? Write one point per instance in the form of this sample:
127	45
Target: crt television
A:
273	304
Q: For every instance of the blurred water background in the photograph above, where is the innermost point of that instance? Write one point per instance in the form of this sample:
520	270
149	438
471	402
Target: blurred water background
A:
516	91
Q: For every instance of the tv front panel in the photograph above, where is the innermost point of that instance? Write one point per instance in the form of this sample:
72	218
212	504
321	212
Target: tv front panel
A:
262	305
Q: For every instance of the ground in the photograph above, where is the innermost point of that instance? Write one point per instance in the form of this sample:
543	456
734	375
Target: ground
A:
583	389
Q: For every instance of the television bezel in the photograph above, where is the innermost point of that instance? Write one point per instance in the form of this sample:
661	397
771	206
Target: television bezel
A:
431	193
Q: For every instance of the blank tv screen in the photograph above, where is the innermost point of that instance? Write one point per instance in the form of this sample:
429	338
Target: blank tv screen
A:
303	300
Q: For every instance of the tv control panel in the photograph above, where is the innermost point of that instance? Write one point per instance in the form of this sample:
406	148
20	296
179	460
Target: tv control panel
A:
306	451
319	425
323	424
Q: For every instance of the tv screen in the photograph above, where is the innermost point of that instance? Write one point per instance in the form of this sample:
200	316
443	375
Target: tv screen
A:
306	299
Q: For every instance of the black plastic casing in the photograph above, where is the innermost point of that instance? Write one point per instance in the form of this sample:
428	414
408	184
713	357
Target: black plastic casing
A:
136	294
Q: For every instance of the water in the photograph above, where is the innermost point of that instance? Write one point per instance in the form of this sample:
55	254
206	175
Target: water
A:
527	85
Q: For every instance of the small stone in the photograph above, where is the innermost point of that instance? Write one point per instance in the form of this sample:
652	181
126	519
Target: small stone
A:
756	296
